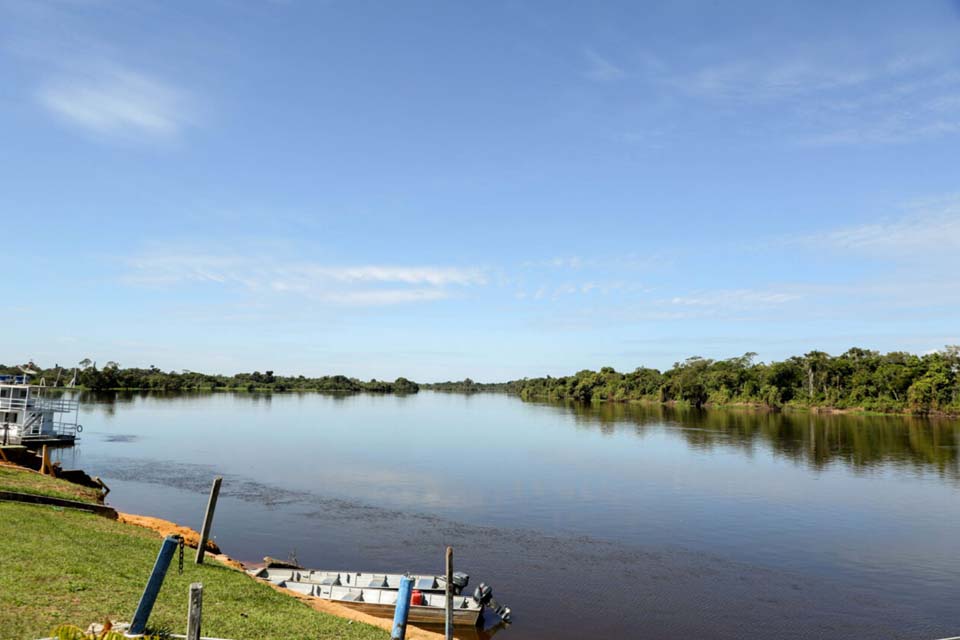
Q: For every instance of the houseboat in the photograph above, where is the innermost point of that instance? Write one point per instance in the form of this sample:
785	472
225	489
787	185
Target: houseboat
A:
31	415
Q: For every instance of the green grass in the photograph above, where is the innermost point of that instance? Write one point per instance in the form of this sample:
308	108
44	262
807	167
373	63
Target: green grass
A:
67	567
25	481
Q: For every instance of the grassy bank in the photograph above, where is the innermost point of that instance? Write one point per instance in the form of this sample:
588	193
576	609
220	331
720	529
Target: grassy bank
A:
25	481
65	567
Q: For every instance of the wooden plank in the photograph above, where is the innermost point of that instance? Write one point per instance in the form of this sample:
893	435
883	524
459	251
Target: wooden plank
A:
194	611
208	518
418	615
30	498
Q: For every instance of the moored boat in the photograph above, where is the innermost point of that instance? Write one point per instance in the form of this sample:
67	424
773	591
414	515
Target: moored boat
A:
421	582
376	593
30	415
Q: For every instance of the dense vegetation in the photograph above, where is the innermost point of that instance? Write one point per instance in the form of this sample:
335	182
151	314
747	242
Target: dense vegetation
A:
857	379
469	386
112	376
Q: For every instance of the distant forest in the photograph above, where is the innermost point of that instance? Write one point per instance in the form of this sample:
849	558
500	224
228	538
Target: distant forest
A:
112	377
861	379
858	379
469	386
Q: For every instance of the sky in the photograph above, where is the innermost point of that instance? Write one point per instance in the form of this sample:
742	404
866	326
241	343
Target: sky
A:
496	190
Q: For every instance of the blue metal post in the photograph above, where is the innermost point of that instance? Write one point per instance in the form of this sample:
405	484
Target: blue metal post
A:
152	589
402	611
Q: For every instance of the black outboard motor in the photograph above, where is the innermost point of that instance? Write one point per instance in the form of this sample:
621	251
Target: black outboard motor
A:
460	581
484	595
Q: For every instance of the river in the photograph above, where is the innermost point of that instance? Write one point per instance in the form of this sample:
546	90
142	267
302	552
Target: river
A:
588	521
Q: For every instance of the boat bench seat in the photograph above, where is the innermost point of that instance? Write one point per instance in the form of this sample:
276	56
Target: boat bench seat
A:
426	584
300	587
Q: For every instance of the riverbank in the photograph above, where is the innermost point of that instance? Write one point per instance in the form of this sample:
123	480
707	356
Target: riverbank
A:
62	566
758	407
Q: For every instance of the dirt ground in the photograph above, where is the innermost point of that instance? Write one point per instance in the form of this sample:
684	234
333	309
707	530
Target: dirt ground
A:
164	527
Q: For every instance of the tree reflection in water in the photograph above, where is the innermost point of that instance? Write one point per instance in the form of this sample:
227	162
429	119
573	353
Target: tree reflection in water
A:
861	442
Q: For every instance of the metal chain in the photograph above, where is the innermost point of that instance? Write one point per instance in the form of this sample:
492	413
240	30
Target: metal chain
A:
180	566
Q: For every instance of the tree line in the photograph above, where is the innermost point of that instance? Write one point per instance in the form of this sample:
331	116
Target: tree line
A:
470	386
113	377
895	382
856	379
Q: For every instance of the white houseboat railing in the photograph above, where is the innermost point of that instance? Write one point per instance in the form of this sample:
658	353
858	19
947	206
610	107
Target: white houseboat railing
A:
63	405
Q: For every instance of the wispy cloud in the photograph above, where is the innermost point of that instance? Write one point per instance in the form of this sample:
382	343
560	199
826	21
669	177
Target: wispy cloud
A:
830	94
94	82
436	276
363	285
928	228
734	298
384	296
762	80
600	68
117	103
559	262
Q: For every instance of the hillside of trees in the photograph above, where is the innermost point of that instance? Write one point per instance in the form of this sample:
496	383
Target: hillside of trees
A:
857	379
112	376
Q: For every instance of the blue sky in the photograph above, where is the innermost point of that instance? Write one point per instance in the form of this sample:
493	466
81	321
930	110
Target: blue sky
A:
492	190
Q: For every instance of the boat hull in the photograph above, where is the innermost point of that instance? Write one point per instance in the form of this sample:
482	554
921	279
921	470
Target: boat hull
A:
419	615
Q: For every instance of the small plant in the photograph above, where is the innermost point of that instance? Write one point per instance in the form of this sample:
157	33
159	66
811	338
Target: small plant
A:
70	632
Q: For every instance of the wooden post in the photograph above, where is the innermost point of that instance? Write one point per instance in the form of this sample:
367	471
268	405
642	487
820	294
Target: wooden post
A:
45	461
449	592
194	611
208	518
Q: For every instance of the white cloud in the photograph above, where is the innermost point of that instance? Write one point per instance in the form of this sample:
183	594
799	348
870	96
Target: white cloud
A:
734	298
600	68
925	229
888	130
831	94
384	296
767	80
436	276
117	103
363	285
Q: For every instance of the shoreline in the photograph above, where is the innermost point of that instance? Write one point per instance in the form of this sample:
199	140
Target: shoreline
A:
192	538
752	406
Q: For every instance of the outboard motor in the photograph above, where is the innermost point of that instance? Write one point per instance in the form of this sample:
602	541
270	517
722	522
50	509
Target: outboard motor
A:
460	581
484	595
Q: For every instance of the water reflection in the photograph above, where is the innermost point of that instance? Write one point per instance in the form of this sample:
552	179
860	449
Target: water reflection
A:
609	521
862	442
